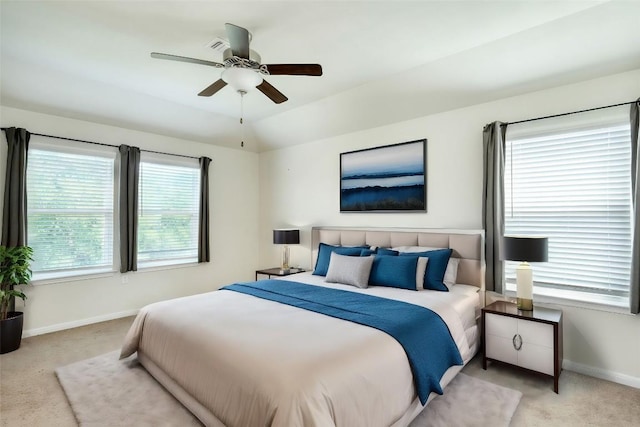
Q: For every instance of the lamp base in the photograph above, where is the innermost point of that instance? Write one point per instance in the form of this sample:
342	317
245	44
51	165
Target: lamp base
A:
524	283
284	265
525	304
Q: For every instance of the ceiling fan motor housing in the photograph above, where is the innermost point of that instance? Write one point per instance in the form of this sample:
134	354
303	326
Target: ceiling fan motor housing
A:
230	60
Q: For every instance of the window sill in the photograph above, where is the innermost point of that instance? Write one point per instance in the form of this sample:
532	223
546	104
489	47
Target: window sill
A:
160	265
50	279
568	298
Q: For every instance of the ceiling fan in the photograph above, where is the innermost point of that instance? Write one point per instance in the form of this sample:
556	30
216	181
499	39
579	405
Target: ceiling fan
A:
242	68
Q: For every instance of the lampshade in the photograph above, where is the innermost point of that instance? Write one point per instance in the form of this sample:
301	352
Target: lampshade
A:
529	249
286	237
241	79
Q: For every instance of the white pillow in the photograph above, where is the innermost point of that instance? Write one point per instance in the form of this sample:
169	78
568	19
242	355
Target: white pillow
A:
421	269
451	273
349	270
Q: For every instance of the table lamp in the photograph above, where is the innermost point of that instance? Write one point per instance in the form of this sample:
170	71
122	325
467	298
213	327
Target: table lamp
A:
525	249
286	238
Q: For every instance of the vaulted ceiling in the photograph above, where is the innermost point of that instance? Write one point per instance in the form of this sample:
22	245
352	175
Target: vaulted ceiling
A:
383	61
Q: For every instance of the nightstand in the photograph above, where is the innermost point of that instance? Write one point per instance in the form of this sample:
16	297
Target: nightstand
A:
277	271
531	340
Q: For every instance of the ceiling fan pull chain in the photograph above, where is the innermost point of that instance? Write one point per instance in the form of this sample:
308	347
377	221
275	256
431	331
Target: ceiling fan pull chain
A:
241	118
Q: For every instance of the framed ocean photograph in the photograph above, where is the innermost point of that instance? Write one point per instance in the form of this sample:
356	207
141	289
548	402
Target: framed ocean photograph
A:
387	178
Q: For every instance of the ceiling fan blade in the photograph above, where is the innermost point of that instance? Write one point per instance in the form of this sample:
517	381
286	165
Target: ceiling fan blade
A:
238	40
158	55
295	69
272	93
213	88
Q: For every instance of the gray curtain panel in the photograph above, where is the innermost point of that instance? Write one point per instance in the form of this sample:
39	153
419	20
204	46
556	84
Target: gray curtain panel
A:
14	219
129	177
204	252
14	216
635	198
493	139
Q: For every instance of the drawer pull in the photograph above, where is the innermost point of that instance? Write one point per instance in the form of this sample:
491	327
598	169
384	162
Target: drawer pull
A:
517	342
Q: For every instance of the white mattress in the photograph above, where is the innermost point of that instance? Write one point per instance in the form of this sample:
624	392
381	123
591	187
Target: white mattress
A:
462	298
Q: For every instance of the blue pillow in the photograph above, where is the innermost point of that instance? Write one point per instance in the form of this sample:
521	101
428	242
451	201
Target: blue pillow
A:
385	251
367	252
436	267
324	256
394	272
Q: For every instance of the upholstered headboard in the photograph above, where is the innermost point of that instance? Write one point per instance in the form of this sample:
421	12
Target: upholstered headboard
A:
468	245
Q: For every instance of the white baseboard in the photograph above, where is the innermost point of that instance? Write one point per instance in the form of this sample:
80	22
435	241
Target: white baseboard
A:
76	323
603	374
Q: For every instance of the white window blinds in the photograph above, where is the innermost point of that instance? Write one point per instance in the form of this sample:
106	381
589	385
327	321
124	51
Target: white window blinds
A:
168	211
574	187
70	210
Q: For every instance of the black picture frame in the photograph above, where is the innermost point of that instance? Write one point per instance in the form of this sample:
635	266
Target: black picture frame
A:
389	178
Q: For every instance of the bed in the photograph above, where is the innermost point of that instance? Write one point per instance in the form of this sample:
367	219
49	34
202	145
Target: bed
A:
237	360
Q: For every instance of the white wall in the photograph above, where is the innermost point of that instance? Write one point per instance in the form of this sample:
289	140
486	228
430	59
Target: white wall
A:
234	206
299	186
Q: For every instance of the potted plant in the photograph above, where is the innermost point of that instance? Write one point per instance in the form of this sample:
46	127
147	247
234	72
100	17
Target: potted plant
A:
15	272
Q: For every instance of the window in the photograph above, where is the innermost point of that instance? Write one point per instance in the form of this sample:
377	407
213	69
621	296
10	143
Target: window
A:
168	207
72	209
574	186
70	212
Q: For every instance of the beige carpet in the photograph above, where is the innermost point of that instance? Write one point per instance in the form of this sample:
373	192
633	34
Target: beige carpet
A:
104	391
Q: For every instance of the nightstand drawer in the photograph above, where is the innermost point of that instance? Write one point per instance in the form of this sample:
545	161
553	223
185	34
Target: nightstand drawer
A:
500	348
531	356
536	333
505	327
520	342
536	357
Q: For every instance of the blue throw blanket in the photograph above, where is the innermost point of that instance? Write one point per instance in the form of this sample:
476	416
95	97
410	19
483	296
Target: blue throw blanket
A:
421	332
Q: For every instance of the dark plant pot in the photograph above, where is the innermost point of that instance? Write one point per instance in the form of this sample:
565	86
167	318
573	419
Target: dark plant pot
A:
11	332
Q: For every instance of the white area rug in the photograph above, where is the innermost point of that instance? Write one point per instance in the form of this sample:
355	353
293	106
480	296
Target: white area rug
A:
105	391
469	401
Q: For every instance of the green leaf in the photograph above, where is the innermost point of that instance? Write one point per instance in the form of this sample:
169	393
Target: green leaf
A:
15	263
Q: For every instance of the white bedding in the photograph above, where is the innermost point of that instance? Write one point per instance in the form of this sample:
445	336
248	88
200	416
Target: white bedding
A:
249	361
463	299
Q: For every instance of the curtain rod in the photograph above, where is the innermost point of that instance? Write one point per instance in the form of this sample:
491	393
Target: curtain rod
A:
105	145
568	114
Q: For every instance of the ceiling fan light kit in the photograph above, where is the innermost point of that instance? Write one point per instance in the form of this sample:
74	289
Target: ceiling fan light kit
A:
241	79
